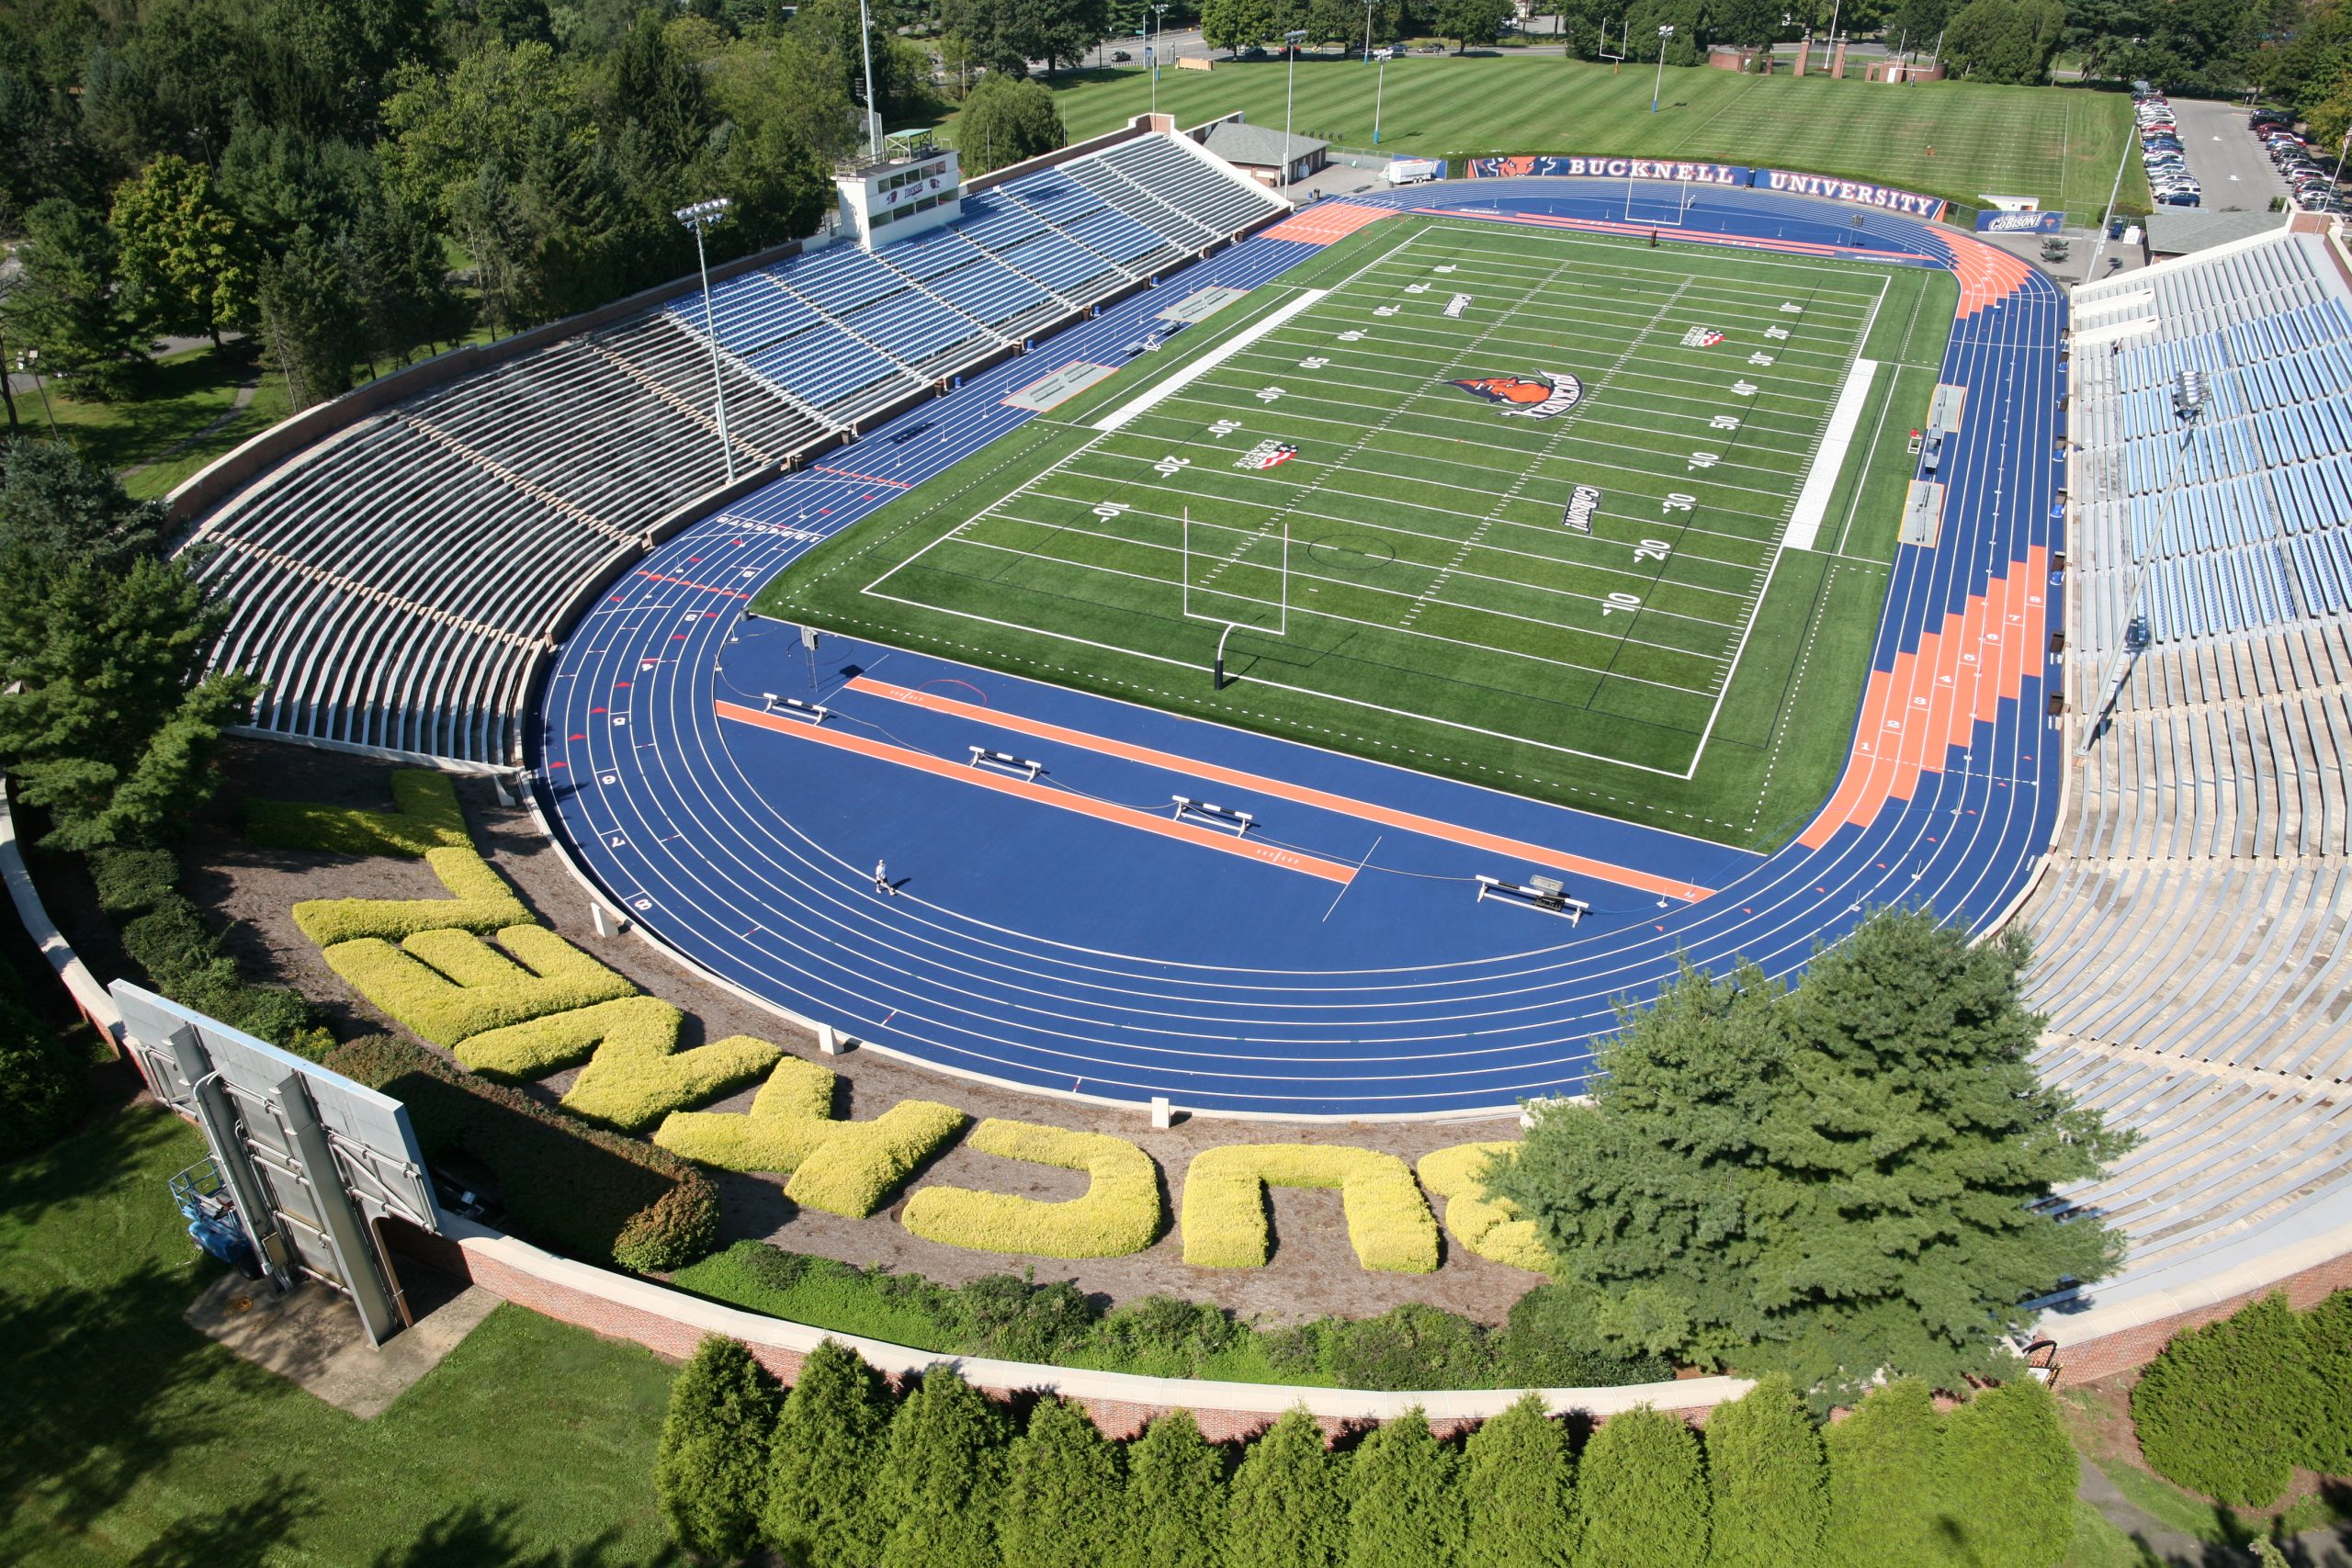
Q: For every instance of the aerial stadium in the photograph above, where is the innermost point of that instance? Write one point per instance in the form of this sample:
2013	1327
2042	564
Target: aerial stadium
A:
1108	638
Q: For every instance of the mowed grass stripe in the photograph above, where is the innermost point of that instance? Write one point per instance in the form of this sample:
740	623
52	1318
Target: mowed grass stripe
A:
1439	612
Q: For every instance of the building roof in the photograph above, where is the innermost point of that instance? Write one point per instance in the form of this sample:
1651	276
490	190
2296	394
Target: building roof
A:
1238	142
2183	230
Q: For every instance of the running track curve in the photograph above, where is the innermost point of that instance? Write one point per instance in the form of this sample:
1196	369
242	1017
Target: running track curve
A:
1065	952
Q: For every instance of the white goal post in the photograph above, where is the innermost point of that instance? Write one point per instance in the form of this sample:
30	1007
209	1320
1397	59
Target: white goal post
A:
1281	604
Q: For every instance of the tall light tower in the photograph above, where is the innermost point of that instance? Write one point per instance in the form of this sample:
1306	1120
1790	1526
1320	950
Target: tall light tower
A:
1658	87
698	216
1151	54
1291	39
1380	85
873	110
1368	6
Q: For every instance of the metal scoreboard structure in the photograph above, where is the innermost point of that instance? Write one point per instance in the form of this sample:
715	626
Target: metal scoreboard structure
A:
311	1161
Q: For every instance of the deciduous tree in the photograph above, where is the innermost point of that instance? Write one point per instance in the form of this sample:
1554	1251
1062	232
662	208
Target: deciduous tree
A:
1004	121
187	259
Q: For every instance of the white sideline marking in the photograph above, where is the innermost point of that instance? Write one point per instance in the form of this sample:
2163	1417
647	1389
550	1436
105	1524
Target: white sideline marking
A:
1829	457
1143	401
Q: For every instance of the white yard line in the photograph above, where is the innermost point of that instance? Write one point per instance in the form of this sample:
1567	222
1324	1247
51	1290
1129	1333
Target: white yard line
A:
1207	362
1829	457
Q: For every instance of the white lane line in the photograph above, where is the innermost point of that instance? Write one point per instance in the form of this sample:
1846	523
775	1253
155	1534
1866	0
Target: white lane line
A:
1829	457
1151	396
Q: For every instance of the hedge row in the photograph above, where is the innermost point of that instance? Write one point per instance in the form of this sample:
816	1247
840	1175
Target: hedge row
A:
843	1168
1120	1211
840	1472
447	985
2234	1408
425	817
1491	1227
1225	1204
480	900
575	1188
1549	1342
168	937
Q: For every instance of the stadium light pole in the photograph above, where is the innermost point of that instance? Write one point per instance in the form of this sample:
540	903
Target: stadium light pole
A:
1290	88
1379	87
1368	6
1658	87
873	111
698	216
2108	221
1151	55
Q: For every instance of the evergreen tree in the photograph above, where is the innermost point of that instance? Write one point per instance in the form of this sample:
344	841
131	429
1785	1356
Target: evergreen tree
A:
108	720
1770	1483
1285	1509
835	1424
1640	1499
712	1460
1175	1499
56	509
2328	1441
1835	1181
308	320
1886	1507
1515	1480
2012	1472
2226	1407
68	301
1063	1493
1404	1510
944	1470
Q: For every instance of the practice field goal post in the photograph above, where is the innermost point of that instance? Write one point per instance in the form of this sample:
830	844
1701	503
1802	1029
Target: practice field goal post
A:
1654	205
1280	605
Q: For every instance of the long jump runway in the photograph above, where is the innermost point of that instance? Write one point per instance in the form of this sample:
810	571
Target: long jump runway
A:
1067	930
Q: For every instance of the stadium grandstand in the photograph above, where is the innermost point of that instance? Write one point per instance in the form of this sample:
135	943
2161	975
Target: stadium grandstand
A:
373	575
2194	923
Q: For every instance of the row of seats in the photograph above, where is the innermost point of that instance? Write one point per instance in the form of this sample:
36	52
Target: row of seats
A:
392	584
853	331
2193	931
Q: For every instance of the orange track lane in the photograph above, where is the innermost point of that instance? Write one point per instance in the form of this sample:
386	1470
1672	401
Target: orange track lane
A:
1330	222
1126	816
1365	811
1933	698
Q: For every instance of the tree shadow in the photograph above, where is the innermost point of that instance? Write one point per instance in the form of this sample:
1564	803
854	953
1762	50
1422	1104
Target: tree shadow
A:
246	1533
469	1532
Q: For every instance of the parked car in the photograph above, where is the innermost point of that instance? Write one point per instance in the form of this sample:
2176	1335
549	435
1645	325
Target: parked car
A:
2181	198
1120	57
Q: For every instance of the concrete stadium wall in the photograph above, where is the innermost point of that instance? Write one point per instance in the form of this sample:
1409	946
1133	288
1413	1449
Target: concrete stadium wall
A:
671	1323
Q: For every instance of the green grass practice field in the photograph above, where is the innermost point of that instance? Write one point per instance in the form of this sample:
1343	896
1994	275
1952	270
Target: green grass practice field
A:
1495	502
1954	138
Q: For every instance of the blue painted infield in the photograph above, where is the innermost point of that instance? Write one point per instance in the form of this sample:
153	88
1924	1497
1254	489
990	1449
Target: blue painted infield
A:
1059	953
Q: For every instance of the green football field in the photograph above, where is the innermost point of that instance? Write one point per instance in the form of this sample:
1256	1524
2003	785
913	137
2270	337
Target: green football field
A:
1496	502
1957	140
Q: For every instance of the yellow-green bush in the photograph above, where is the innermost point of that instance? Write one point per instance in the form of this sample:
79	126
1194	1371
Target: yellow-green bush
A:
1225	1204
1491	1227
1120	1214
854	1171
448	984
842	1167
479	900
425	816
789	1117
639	1075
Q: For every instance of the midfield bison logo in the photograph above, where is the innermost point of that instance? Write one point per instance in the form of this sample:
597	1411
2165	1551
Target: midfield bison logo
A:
1539	396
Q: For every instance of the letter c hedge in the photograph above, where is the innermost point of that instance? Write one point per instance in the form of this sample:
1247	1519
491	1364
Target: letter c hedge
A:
1489	1227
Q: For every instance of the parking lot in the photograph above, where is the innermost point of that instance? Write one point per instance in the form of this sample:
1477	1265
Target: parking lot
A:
2225	159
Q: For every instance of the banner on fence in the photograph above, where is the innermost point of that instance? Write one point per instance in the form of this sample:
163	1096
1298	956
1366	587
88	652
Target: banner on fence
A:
2019	223
1911	204
1665	169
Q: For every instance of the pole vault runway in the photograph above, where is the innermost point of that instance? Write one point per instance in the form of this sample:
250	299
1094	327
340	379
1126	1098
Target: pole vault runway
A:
1065	928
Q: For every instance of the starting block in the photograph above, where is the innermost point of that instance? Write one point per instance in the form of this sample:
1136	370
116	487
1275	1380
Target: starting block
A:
984	758
814	713
1237	822
1541	893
